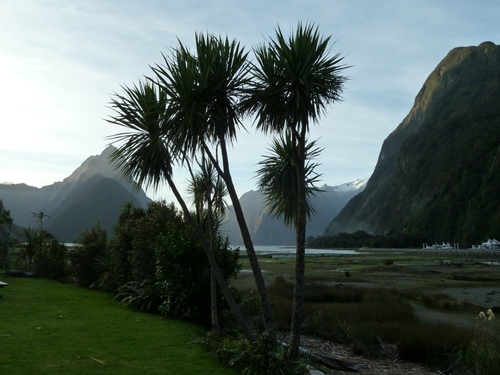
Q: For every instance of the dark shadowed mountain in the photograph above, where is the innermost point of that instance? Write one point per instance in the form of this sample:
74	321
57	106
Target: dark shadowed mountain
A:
438	173
93	193
268	231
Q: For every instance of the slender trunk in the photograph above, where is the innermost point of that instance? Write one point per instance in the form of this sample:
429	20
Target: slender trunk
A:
213	285
245	327
247	239
300	230
213	297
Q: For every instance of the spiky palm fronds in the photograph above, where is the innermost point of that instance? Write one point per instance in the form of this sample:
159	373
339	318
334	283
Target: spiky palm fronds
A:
143	153
277	178
294	80
204	89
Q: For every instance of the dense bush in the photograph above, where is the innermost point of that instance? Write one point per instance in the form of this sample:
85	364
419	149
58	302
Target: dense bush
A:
265	356
41	254
138	238
158	264
183	273
120	247
90	246
52	260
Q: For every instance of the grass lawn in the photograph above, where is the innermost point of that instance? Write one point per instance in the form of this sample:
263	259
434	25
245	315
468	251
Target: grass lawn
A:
52	328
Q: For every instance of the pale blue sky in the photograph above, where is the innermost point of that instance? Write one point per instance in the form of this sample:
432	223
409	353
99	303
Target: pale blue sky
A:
61	60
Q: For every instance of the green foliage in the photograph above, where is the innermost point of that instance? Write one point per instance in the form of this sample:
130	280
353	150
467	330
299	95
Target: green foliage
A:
265	356
120	246
52	260
144	155
141	296
169	271
145	232
294	80
90	245
42	254
183	273
134	248
278	178
32	245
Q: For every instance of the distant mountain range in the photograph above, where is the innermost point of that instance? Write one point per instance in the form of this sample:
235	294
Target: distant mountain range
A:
268	231
438	173
93	193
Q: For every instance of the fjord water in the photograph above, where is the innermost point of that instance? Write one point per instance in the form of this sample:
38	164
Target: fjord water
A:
285	250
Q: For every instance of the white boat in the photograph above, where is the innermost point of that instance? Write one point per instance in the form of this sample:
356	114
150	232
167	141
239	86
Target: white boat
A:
444	245
488	245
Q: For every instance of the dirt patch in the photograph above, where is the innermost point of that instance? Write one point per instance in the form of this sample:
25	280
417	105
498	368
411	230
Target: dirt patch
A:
387	366
482	297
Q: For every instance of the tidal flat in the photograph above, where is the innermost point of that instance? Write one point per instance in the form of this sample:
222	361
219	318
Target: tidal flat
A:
465	282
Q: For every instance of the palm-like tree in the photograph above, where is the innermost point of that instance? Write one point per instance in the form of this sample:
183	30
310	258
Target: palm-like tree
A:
144	154
32	239
293	81
39	217
208	192
204	90
277	178
125	212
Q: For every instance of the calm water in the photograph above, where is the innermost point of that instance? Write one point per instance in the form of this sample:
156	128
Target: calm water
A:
285	250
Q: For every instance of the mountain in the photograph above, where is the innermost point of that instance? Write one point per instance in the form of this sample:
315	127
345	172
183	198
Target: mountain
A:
93	193
438	172
268	231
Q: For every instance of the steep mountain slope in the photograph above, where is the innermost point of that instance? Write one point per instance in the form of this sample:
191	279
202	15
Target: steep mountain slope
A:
438	173
93	193
98	200
268	231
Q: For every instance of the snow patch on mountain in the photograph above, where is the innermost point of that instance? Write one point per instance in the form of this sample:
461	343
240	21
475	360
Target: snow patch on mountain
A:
358	184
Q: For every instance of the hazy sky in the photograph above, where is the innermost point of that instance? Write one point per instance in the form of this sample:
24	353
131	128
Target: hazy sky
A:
60	62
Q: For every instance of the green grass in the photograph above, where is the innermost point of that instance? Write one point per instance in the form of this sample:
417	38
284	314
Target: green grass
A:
52	328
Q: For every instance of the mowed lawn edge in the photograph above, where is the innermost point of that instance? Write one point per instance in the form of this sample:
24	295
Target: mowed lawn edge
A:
51	328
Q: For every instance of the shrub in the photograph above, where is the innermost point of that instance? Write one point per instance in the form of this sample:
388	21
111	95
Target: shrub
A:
120	247
265	356
183	273
163	266
141	296
90	245
52	260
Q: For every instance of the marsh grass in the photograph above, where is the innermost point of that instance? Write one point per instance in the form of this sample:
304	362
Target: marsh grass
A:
482	356
52	328
367	317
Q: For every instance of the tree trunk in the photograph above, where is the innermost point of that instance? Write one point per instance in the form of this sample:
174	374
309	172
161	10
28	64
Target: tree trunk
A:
213	285
245	327
213	305
300	230
247	239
